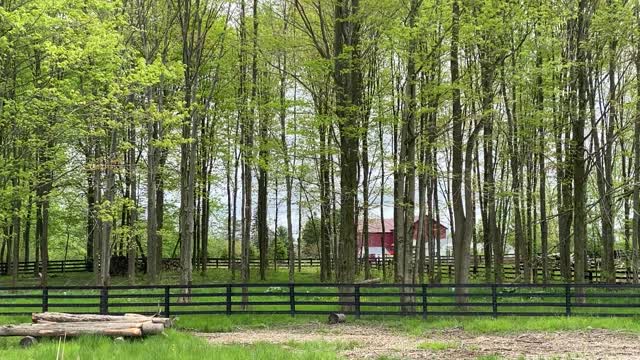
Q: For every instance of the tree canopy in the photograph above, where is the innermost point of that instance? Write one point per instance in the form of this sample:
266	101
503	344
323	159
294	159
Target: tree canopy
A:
156	128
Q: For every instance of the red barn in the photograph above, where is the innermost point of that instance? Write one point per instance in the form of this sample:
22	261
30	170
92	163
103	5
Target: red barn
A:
377	237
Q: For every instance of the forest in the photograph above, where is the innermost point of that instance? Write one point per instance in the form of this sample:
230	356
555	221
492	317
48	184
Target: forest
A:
199	128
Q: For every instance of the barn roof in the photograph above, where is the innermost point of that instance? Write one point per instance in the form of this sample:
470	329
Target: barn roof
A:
375	225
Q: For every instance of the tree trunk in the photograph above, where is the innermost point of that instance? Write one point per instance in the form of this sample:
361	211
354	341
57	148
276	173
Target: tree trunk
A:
152	224
246	154
544	227
579	170
285	152
348	89
635	246
460	236
489	187
109	197
133	214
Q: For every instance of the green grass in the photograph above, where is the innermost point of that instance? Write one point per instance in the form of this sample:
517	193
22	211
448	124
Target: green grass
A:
223	323
489	357
482	325
436	345
410	326
415	326
175	345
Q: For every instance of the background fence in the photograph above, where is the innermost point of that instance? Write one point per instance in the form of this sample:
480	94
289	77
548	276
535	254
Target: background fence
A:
592	275
319	299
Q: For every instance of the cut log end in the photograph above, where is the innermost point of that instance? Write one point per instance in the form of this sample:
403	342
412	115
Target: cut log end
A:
337	318
151	328
28	341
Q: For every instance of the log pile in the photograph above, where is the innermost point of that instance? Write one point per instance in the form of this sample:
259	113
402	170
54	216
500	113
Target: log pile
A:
51	324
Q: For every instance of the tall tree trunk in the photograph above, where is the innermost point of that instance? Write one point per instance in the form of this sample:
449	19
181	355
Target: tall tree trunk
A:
365	196
97	232
246	146
579	170
109	197
27	229
565	167
406	172
133	214
152	223
263	227
16	233
325	191
489	187
91	212
460	246
608	237
382	181
544	227
285	152
348	89
635	246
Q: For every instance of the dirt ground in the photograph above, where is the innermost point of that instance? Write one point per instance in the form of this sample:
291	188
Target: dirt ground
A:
369	342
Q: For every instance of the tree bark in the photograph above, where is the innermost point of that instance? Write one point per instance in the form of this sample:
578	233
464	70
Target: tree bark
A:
578	152
348	89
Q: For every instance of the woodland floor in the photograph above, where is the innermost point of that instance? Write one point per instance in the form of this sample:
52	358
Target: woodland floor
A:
378	342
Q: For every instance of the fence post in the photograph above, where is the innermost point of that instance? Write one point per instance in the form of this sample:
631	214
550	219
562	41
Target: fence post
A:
567	292
424	301
494	300
292	299
357	299
45	299
229	299
104	301
167	301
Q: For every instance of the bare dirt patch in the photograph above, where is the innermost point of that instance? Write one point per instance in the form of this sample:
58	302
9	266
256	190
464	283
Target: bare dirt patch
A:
371	342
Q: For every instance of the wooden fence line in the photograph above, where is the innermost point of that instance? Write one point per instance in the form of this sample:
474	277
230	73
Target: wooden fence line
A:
424	300
592	275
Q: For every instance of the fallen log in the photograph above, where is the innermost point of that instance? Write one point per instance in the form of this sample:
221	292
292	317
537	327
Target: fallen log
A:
337	318
114	329
67	329
56	317
370	281
149	328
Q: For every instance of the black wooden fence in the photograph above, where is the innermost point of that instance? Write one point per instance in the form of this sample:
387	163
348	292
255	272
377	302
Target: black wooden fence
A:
320	299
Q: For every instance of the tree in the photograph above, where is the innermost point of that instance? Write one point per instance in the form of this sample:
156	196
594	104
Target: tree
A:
196	20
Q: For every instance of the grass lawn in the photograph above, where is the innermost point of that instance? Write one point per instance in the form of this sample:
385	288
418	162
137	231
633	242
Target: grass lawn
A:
175	345
179	344
415	326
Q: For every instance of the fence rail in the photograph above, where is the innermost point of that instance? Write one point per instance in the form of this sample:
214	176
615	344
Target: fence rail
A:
493	300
